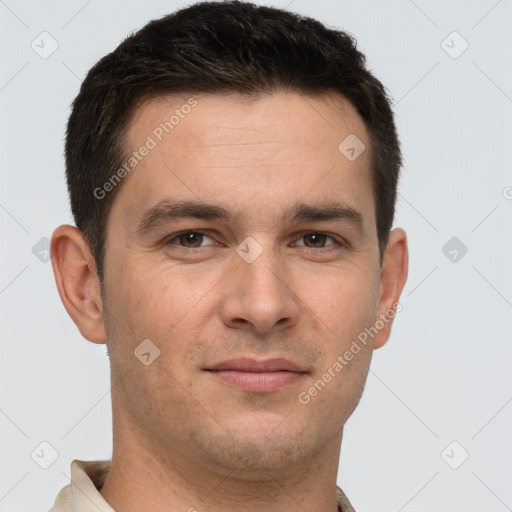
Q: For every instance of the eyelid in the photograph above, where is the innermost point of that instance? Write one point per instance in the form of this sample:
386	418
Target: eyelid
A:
335	238
171	238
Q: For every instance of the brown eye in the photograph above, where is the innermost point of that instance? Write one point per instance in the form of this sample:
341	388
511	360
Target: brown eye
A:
188	239
317	240
191	239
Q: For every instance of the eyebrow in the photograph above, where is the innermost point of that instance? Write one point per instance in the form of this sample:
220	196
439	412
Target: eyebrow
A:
168	210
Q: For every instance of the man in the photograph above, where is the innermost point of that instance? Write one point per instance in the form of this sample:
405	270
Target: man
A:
232	171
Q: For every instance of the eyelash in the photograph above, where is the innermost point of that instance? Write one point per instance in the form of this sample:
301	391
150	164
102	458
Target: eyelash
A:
339	242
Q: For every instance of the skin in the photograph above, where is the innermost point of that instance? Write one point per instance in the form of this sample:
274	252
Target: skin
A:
182	438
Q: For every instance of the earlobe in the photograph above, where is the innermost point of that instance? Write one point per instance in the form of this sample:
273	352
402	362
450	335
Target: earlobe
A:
74	270
392	281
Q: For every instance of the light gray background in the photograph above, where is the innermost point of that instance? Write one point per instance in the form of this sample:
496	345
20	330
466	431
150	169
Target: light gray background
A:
445	374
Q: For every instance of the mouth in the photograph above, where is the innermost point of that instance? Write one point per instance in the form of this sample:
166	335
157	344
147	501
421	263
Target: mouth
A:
257	376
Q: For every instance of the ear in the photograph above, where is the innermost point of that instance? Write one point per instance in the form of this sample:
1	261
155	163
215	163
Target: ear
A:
393	276
75	274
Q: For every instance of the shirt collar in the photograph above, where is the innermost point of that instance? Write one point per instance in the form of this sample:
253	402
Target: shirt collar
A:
82	494
87	478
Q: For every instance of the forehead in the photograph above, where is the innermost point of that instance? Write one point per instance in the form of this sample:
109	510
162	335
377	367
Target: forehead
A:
247	152
207	119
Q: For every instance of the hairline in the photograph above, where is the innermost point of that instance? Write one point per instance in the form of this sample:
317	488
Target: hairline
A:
126	122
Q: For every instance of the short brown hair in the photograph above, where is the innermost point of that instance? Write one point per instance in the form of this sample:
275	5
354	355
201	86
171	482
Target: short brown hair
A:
219	47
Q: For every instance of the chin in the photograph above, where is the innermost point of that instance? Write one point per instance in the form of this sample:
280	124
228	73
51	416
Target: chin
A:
262	445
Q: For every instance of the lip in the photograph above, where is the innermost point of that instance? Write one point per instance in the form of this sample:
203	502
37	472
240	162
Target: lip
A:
245	364
257	376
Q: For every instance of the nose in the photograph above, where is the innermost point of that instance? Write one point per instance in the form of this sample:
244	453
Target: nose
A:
259	297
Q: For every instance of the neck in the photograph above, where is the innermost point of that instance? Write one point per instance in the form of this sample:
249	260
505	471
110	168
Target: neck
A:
143	475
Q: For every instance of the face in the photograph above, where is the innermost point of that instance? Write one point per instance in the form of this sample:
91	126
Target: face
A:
263	247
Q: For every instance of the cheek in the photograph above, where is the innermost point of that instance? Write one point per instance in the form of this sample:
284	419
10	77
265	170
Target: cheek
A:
167	306
345	303
352	306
